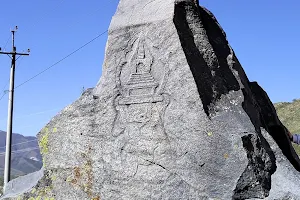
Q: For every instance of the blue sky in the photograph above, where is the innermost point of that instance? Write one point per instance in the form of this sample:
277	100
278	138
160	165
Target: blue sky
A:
264	35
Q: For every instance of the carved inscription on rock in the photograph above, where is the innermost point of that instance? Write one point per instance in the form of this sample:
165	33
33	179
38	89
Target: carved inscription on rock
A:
141	104
141	86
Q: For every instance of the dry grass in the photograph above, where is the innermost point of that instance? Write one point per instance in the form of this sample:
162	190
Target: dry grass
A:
289	115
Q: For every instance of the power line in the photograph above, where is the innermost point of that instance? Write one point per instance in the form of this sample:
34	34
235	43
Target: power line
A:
8	79
61	59
33	24
7	82
20	143
57	61
6	42
32	114
17	65
42	18
3	89
20	151
2	96
73	52
71	24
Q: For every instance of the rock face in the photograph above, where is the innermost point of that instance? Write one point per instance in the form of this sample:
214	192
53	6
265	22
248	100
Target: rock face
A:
173	117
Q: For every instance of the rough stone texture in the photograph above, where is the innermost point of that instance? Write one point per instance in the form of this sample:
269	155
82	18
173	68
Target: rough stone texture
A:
172	117
23	183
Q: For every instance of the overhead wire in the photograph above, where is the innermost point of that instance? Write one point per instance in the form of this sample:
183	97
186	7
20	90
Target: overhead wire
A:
33	24
43	17
32	114
4	49
2	96
17	65
6	43
4	92
68	54
7	82
19	143
43	71
21	151
46	69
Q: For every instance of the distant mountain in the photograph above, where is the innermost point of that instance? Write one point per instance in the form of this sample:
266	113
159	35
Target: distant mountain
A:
289	115
26	157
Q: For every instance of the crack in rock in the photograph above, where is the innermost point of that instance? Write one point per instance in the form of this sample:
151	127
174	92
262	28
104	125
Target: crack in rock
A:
255	182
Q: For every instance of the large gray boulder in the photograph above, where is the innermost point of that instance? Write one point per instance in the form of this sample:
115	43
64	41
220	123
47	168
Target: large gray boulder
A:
173	116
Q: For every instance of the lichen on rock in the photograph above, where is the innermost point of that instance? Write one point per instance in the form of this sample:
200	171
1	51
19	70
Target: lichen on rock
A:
173	116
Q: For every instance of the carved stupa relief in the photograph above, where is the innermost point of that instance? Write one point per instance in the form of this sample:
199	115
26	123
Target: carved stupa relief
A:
141	86
141	104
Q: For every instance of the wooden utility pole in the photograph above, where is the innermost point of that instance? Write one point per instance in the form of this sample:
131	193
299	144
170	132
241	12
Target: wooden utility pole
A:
7	169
